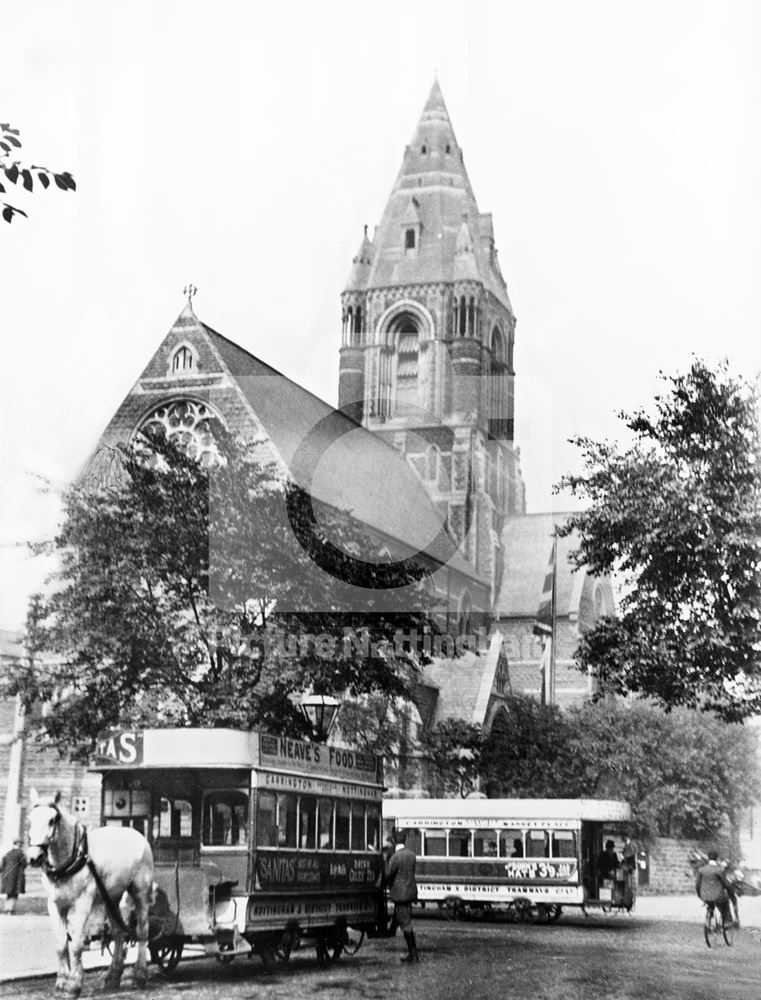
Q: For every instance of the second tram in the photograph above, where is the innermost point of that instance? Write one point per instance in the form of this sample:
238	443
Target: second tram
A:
531	855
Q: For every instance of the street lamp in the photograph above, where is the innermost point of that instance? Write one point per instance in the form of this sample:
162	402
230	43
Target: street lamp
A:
320	711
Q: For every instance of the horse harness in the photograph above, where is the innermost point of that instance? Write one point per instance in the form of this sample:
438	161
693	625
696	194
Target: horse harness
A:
78	859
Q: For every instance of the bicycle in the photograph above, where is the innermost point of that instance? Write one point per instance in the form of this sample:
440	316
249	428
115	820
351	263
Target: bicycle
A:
716	923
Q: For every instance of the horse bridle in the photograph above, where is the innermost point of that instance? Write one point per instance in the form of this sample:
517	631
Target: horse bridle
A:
79	856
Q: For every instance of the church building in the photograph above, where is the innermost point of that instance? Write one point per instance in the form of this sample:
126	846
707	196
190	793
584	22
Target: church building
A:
421	447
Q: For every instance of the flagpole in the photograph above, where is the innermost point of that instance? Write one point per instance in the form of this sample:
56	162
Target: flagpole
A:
554	620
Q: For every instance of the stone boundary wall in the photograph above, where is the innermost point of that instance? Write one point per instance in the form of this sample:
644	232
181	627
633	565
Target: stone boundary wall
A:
669	867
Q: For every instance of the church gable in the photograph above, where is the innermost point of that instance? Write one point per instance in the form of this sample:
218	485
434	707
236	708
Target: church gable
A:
185	386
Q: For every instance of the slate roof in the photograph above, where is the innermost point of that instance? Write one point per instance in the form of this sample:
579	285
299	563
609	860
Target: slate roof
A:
527	547
432	187
337	460
465	685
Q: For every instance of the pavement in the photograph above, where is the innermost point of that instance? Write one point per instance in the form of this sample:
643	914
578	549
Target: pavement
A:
26	942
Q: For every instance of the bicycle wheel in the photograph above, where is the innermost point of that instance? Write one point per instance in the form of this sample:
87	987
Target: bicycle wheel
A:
728	930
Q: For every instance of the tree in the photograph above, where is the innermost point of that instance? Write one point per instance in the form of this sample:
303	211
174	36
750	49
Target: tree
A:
453	754
527	758
14	170
677	515
166	607
685	773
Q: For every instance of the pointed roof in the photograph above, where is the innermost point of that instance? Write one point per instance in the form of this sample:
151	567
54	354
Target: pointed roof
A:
360	267
433	188
325	451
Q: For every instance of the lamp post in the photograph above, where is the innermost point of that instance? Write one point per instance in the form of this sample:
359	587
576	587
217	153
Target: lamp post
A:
320	711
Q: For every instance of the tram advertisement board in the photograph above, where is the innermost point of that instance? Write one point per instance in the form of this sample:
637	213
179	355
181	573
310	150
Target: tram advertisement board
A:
284	754
282	868
119	746
514	869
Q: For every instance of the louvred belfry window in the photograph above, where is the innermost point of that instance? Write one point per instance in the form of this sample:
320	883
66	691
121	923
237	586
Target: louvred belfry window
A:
407	354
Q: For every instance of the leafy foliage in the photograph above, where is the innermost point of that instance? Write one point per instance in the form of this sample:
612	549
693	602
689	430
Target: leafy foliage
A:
678	515
527	758
14	171
685	773
453	750
166	606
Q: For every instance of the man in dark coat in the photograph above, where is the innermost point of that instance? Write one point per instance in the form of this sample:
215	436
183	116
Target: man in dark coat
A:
402	887
13	877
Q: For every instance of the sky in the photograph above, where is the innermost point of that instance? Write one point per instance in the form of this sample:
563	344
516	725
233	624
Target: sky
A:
242	146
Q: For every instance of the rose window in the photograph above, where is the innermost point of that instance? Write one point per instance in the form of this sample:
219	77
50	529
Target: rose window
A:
188	424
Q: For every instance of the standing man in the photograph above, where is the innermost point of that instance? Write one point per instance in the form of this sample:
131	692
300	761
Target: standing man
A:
13	877
629	853
400	878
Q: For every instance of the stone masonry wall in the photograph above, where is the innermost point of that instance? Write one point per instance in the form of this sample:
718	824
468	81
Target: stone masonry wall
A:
670	871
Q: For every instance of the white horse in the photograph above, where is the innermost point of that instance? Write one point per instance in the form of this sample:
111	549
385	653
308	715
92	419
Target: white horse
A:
81	869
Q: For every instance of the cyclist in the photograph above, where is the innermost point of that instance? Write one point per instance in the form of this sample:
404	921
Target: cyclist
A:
712	886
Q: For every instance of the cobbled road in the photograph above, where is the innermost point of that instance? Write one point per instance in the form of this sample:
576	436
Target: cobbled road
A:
601	958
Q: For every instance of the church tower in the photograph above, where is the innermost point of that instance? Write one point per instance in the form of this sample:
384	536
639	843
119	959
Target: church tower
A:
426	359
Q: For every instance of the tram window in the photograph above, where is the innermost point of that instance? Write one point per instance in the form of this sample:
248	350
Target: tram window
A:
174	818
459	843
140	824
357	827
125	802
485	843
343	813
373	828
325	825
435	844
286	820
307	820
511	844
415	841
225	819
563	844
537	844
266	823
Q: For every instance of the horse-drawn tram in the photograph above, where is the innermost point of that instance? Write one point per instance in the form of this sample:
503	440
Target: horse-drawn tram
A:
530	857
258	840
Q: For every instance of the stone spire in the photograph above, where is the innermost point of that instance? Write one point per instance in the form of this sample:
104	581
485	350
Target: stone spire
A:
416	241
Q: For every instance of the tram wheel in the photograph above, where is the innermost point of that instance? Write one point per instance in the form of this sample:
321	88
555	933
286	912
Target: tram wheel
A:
166	954
328	950
523	910
555	912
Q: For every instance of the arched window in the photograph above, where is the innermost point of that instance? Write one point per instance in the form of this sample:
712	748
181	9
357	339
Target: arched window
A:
472	316
182	360
498	404
189	424
463	316
409	239
464	618
497	350
349	324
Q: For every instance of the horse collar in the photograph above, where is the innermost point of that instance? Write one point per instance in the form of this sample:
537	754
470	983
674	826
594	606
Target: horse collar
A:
77	860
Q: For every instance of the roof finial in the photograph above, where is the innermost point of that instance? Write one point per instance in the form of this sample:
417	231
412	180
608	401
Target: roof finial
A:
190	291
